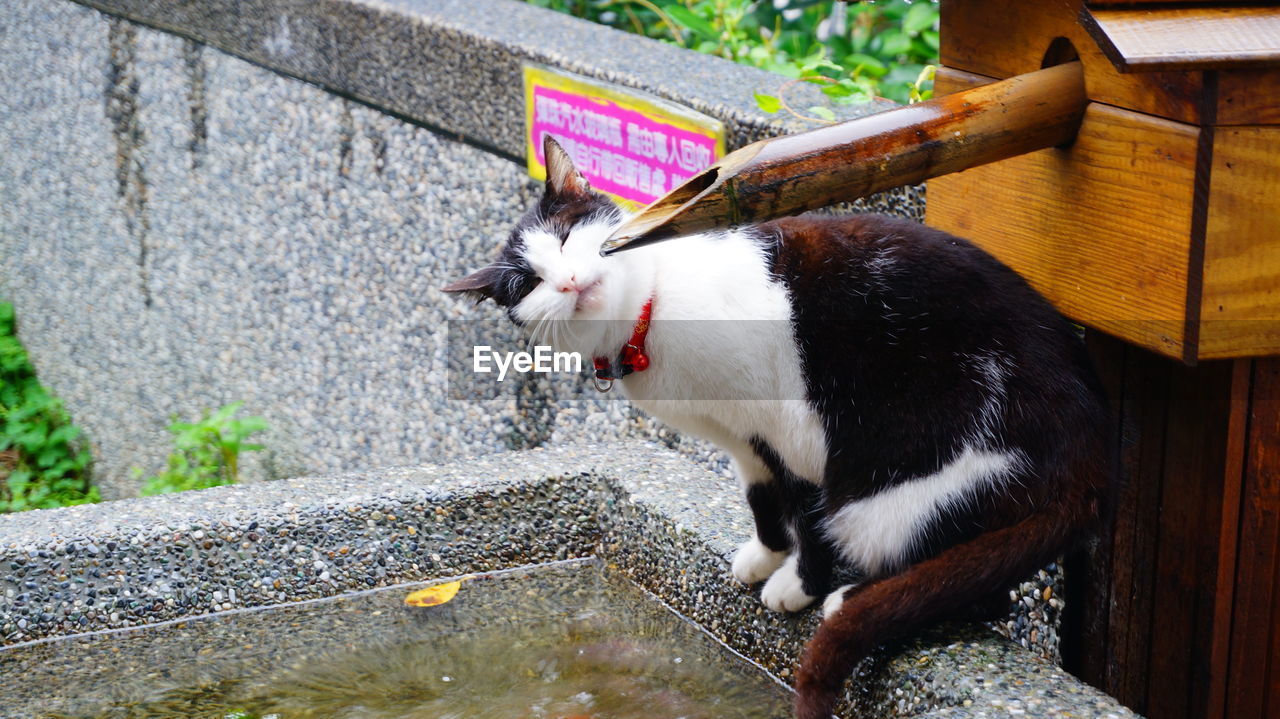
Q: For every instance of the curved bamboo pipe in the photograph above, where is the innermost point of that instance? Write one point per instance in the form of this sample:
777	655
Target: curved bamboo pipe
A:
793	173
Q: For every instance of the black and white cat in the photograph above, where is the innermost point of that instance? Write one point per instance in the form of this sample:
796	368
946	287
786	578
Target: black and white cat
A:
902	402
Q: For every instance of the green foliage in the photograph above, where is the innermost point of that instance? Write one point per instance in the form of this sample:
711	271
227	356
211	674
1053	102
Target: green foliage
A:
856	50
43	461
206	453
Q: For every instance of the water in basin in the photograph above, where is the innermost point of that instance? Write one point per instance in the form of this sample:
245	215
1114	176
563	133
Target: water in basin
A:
564	641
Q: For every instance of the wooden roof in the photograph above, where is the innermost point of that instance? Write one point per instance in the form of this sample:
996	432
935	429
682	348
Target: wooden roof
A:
1201	36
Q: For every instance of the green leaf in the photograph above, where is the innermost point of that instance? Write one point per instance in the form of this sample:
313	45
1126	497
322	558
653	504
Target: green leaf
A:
222	414
768	103
866	64
892	43
836	91
692	22
240	428
931	39
17	481
205	451
33	440
823	112
180	427
62	467
817	61
49	456
787	69
920	17
849	93
36	494
65	433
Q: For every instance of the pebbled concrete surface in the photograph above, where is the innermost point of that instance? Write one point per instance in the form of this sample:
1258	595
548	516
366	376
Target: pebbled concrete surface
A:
649	514
456	64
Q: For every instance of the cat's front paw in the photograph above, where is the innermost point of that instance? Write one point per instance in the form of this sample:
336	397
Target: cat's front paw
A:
754	562
784	592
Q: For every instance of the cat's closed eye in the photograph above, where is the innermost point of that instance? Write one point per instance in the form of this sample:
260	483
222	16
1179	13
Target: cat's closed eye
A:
521	282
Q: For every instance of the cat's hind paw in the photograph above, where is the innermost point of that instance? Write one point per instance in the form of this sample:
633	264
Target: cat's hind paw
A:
834	601
784	592
754	562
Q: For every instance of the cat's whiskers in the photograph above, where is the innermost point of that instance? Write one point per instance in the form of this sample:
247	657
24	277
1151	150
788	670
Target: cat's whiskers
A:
538	334
531	339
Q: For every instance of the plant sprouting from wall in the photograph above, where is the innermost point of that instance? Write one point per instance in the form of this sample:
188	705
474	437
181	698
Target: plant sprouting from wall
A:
43	459
206	453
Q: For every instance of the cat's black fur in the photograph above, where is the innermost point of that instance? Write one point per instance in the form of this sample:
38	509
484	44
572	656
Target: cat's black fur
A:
889	360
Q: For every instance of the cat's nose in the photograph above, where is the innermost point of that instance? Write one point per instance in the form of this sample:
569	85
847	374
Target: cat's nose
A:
571	285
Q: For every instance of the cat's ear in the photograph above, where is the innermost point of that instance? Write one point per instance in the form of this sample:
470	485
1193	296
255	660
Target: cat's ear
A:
562	177
482	283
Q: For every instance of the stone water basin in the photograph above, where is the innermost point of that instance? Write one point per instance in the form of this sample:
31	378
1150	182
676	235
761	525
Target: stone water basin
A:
567	640
77	583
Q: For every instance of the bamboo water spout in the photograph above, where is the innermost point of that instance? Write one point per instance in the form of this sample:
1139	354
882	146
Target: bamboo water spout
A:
793	173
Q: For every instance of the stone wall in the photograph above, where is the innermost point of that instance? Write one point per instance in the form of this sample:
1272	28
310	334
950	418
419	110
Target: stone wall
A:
189	219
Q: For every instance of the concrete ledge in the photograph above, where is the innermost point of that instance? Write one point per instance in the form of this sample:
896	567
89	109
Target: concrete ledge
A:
124	563
456	64
649	513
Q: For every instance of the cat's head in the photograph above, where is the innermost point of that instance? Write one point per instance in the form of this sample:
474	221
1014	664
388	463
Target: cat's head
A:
550	268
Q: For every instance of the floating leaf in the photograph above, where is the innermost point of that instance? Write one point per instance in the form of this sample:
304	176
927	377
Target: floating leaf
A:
434	595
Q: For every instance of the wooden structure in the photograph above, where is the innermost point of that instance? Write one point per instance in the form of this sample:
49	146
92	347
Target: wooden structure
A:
789	174
1159	225
1176	163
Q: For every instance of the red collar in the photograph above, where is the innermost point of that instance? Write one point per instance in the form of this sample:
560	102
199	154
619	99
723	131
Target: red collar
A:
632	357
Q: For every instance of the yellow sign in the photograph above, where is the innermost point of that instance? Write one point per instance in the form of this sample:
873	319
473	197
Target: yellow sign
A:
627	143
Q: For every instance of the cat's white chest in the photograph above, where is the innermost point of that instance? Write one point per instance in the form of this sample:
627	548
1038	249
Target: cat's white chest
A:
724	362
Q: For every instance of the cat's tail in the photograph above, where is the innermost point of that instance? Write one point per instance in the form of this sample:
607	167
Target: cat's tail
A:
931	590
